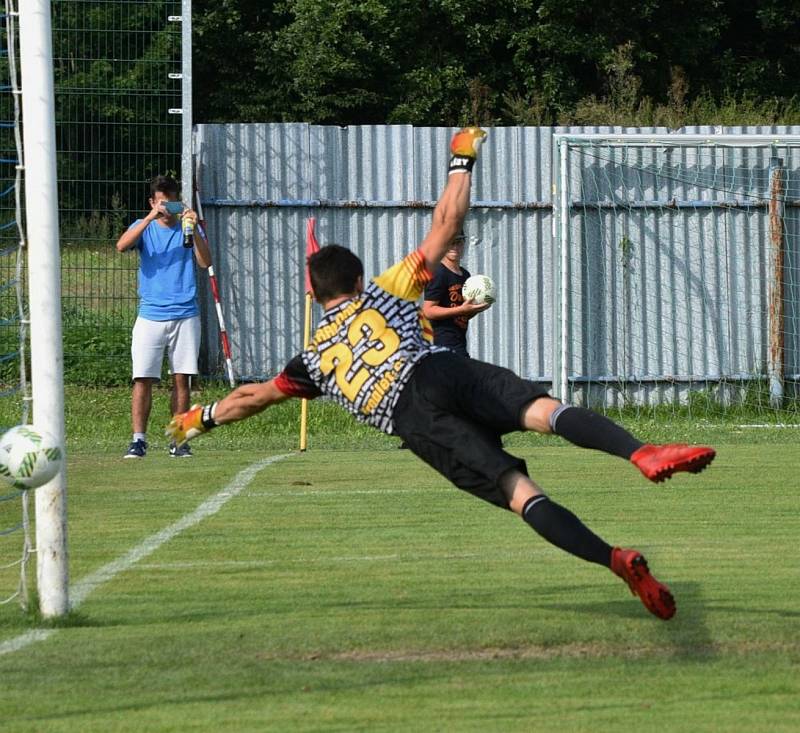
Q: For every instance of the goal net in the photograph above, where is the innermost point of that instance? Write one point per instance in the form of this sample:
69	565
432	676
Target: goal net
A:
15	529
679	273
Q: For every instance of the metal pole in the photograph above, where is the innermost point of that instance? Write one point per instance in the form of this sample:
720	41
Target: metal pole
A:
775	314
564	229
304	402
648	139
186	101
312	246
187	169
44	278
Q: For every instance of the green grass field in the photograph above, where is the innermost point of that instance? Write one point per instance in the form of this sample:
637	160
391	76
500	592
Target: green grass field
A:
355	590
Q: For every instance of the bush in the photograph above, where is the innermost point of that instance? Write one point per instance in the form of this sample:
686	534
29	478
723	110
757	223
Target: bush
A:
624	103
97	357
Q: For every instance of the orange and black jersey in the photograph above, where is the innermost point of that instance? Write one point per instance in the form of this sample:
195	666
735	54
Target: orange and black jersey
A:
365	349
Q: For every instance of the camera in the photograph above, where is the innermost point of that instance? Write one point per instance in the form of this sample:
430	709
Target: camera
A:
174	207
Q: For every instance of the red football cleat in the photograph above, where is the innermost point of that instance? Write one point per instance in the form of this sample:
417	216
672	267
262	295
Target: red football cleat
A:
659	462
631	566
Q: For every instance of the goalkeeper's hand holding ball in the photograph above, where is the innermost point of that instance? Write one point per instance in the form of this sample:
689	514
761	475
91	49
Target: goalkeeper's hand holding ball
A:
198	419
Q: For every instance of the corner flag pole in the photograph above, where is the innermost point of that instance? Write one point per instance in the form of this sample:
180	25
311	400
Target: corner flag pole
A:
312	246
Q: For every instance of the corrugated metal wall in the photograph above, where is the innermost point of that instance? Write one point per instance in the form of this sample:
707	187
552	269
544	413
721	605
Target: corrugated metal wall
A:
372	188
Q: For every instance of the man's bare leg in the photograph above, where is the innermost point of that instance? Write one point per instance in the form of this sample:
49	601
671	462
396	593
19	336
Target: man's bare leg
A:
141	403
181	396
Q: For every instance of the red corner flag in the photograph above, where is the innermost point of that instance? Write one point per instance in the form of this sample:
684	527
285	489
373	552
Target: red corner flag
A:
312	246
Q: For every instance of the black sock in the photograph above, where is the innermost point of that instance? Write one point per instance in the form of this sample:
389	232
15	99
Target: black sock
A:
560	527
587	429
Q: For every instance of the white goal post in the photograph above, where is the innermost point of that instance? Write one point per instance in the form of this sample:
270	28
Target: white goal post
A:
44	277
678	264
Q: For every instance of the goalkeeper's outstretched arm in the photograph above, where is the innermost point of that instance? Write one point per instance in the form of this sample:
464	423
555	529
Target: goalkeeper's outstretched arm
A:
243	402
248	400
452	207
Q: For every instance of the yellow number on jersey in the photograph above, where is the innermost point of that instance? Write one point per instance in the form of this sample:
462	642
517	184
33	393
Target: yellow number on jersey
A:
339	356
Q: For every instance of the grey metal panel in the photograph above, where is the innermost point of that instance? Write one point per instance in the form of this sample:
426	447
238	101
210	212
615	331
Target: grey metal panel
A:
260	249
698	271
513	248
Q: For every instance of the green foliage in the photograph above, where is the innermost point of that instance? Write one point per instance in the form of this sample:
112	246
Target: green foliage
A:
339	54
98	227
93	355
99	305
625	252
663	62
429	92
96	356
111	70
98	418
626	105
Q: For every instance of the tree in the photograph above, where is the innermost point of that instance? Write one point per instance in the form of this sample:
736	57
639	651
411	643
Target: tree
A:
438	62
112	65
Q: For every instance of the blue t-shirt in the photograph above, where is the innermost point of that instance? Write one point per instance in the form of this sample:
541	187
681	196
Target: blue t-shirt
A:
167	283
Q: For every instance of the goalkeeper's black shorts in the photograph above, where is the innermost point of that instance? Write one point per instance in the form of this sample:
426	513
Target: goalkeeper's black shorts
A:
452	413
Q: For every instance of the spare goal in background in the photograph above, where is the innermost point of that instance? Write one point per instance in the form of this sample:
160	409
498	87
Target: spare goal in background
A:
679	272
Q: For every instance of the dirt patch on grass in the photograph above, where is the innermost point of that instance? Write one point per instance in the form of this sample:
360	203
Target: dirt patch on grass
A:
589	650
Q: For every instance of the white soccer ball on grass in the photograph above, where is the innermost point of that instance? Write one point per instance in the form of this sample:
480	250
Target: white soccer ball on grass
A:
479	289
29	457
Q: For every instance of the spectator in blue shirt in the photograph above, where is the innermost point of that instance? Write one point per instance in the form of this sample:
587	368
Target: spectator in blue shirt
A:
169	316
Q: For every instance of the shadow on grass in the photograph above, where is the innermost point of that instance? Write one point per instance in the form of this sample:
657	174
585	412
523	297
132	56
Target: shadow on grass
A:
686	636
73	619
292	679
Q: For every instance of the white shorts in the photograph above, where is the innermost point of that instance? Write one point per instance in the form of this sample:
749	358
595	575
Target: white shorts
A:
181	338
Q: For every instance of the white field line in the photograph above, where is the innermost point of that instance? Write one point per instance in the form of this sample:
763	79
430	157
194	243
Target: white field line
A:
19	642
80	590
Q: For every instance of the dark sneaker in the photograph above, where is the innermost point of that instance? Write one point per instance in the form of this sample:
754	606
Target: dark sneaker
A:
180	451
659	462
631	566
137	449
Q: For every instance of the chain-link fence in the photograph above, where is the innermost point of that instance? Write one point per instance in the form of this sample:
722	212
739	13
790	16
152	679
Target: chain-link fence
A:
15	536
117	71
11	261
118	123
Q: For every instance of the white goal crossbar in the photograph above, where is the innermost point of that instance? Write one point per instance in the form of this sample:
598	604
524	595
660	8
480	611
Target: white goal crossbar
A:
677	139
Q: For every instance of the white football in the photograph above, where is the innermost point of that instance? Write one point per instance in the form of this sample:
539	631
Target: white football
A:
479	289
29	457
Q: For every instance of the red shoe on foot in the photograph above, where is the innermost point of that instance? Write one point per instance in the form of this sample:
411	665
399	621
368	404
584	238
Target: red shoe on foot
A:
659	462
631	566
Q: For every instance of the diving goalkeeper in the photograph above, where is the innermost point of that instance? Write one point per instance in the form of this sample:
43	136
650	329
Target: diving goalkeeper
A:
373	354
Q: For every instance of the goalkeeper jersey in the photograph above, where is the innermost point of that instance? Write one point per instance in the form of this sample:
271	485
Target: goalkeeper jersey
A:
365	349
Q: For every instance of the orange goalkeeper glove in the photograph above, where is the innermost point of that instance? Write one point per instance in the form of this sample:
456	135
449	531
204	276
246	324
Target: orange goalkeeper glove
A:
464	147
195	421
